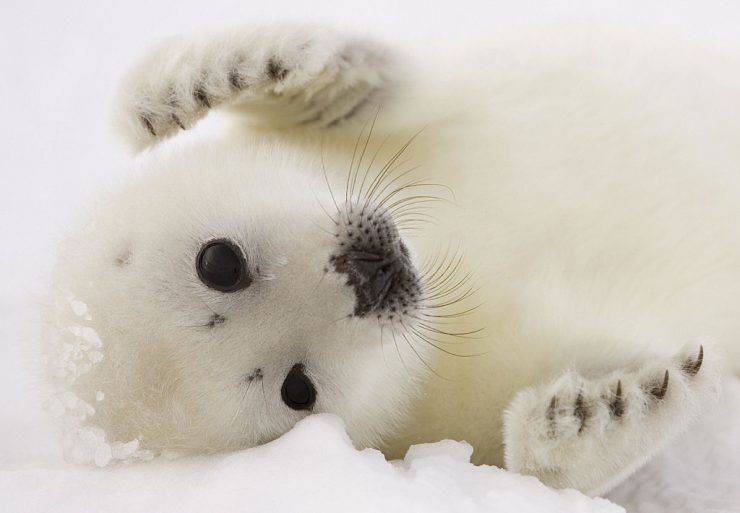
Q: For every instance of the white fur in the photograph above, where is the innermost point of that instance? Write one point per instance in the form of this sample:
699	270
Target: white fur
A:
595	202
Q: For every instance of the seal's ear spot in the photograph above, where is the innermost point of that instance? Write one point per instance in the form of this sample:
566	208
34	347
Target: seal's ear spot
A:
123	258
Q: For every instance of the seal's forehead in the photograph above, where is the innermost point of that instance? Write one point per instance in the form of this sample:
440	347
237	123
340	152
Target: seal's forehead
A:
205	183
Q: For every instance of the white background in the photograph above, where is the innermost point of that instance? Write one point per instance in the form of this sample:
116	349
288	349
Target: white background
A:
58	64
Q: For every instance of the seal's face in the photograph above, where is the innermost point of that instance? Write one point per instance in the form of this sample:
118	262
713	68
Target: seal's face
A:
231	303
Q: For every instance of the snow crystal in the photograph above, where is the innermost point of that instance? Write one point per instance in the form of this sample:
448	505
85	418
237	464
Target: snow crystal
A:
91	336
78	307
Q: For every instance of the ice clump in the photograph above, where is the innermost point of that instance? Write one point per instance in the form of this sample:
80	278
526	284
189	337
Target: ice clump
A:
74	351
313	468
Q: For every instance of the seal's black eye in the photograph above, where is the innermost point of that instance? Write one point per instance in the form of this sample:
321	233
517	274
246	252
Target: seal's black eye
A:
298	392
221	266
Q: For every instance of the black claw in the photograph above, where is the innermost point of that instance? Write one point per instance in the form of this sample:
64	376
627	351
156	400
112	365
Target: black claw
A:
236	80
275	70
202	97
550	415
616	407
659	391
691	367
580	411
148	125
177	121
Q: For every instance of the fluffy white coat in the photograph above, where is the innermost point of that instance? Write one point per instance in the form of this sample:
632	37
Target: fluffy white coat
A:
588	248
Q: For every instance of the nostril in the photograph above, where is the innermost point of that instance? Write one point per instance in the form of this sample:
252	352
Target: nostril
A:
298	392
370	270
371	275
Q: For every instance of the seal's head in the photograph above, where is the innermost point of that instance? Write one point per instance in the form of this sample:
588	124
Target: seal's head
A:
234	293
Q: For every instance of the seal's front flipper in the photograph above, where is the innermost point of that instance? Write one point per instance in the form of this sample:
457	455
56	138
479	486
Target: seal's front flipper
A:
590	434
283	76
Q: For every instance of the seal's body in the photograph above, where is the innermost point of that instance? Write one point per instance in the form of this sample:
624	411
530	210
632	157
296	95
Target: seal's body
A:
526	246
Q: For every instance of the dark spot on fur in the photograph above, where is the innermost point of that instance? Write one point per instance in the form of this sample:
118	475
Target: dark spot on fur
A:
256	374
124	258
215	320
275	70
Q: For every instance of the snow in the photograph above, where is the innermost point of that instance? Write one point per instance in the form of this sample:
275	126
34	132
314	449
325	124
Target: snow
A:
699	472
60	62
312	468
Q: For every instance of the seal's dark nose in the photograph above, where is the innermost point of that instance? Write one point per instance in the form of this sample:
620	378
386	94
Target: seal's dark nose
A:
298	392
371	275
377	264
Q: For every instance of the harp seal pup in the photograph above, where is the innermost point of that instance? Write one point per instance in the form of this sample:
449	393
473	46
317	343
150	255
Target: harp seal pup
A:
531	244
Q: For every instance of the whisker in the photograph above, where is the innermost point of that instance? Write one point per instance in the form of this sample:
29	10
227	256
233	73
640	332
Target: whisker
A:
455	314
367	141
377	181
359	163
413	212
342	318
414	221
264	396
372	161
382	348
321	205
318	283
419	199
193	326
409	185
438	294
380	192
364	148
426	340
347	197
326	178
430	264
239	409
440	270
316	225
422	204
398	351
461	334
463	297
438	321
435	287
433	294
422	360
384	170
